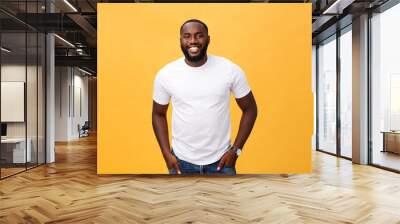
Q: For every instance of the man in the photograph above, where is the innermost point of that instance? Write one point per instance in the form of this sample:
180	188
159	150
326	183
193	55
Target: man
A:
199	86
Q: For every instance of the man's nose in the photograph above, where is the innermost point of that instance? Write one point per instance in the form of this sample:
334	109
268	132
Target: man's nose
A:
193	40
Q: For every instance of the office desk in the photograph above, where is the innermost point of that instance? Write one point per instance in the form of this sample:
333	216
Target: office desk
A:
15	148
391	141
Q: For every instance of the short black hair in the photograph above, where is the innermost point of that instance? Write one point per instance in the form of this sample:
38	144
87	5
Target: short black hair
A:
194	21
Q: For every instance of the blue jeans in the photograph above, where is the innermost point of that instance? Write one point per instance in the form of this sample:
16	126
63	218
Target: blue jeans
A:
190	168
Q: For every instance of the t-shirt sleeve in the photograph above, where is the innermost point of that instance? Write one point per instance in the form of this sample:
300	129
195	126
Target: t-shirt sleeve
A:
160	93
240	87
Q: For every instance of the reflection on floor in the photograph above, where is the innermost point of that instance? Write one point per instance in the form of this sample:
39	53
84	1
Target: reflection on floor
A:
10	169
346	152
386	159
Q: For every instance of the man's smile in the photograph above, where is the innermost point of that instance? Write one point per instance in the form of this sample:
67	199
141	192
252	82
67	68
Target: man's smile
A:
194	50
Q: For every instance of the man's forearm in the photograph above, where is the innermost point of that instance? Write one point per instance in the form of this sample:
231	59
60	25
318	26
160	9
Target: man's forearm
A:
160	127
246	125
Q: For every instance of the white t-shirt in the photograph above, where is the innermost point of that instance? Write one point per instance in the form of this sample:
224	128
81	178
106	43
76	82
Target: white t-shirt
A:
200	96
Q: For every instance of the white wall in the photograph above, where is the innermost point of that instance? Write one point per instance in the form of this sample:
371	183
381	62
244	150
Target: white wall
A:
71	93
12	73
62	81
81	84
16	72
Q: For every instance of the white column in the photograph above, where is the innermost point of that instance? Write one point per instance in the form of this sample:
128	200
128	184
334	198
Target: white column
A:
360	90
50	92
50	100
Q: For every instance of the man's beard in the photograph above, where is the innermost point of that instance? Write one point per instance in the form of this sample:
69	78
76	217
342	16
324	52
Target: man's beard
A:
197	58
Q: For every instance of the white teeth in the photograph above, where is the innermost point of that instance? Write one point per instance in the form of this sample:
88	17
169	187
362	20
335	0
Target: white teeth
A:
193	49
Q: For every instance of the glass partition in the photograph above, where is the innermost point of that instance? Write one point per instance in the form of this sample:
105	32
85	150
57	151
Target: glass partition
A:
14	153
22	88
327	95
346	93
32	96
385	89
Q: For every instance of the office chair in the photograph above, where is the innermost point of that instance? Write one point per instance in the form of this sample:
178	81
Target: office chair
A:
84	130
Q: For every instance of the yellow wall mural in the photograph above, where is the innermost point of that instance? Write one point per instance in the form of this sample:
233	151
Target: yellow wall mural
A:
270	42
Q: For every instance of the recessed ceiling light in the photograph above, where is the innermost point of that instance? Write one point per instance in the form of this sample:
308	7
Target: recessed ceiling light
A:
338	6
64	40
71	6
5	50
84	71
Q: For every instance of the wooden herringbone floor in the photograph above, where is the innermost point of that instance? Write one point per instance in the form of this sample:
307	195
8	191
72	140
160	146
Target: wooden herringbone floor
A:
70	191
